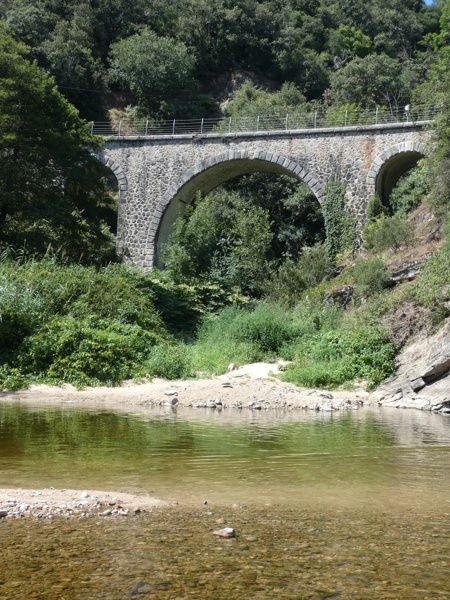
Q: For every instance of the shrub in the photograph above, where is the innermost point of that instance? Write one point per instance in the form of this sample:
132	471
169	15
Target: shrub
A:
333	358
216	346
371	276
268	326
410	190
293	278
170	362
88	352
68	323
432	288
375	208
388	233
241	335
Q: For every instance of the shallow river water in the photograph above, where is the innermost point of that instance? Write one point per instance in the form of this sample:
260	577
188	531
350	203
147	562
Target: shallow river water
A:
341	505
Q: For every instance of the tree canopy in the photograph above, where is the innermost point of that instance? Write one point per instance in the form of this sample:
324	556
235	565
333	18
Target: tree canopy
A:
157	54
49	181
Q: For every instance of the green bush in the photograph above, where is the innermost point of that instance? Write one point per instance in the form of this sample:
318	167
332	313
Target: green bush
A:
68	323
333	358
293	278
411	190
371	276
432	288
242	335
375	208
387	233
216	346
268	326
92	351
170	362
20	309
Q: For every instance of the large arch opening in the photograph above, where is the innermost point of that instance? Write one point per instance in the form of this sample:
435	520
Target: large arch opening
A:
111	205
392	171
208	176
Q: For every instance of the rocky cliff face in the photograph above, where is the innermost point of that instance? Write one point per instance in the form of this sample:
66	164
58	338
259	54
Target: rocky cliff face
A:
423	375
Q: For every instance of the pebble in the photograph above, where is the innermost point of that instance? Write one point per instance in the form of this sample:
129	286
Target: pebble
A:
226	532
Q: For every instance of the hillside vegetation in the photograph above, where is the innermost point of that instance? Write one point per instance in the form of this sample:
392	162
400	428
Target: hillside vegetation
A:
257	269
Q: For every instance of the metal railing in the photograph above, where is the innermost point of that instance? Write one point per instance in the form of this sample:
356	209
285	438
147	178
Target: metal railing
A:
325	118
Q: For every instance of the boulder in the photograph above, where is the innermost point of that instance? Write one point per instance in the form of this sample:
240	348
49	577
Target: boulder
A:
423	375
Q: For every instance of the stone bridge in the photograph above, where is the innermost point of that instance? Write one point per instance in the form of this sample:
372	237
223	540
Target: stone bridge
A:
159	174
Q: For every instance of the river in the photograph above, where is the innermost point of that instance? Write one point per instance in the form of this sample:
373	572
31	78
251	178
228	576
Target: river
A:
352	504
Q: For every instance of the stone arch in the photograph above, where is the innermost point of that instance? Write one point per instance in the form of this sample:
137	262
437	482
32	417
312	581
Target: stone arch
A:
210	173
123	187
116	169
387	168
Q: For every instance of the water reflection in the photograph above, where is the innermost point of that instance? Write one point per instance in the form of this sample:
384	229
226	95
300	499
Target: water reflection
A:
351	505
364	456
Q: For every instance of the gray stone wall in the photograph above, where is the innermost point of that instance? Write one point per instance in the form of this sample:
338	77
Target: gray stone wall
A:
157	173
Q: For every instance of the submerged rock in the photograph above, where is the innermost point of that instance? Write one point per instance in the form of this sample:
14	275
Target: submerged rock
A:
226	532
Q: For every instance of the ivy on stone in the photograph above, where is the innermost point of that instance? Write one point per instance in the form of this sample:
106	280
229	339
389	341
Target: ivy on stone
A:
340	223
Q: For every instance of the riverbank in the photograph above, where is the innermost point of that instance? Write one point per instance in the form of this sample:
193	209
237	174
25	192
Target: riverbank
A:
17	503
254	386
422	382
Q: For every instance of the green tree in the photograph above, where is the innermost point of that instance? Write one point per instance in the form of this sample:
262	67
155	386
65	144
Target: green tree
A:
67	55
374	79
295	215
49	181
304	67
156	69
347	43
251	101
223	238
229	34
437	88
31	23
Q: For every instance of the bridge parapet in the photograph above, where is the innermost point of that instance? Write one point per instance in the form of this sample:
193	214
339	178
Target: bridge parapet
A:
323	119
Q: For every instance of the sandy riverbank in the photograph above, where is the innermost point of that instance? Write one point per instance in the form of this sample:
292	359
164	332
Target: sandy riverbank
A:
252	386
47	503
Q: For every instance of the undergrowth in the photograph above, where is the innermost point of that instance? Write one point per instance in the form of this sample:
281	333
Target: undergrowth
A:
64	323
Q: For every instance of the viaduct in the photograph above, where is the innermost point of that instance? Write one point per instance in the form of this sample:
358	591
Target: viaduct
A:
158	174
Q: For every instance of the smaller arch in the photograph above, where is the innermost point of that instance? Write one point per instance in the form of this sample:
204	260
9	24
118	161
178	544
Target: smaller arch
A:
225	166
116	169
123	187
387	168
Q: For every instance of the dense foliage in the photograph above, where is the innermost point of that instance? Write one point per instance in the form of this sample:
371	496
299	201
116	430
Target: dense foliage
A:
248	272
50	184
358	51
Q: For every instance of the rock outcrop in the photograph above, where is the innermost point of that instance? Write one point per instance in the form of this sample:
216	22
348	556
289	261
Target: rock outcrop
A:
423	375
